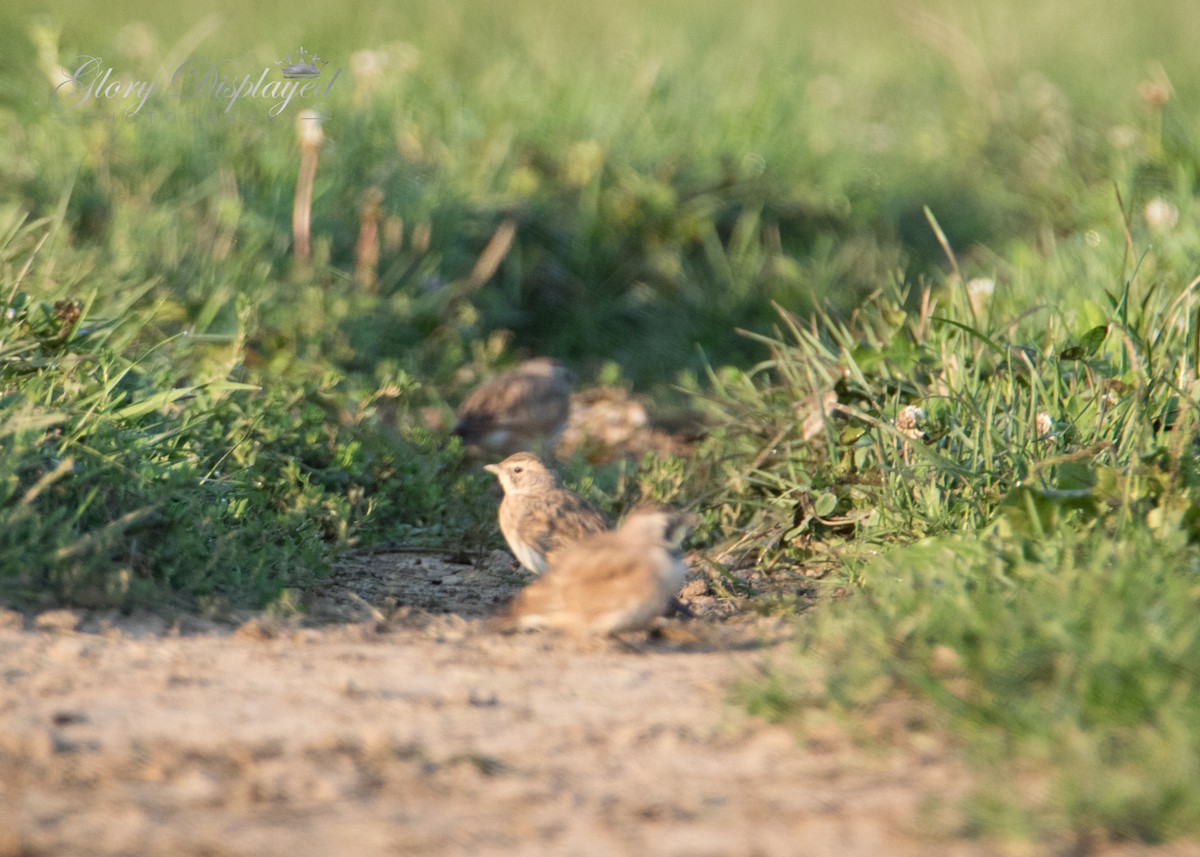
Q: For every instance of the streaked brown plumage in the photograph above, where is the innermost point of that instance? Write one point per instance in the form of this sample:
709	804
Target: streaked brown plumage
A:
525	409
537	515
621	580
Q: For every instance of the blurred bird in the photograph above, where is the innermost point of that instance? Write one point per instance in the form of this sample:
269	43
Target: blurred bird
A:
537	515
525	409
621	580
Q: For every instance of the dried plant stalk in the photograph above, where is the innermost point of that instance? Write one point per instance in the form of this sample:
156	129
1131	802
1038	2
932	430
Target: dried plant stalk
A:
309	135
366	250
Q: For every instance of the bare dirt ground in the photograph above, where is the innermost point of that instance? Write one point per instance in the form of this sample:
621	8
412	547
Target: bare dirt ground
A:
390	722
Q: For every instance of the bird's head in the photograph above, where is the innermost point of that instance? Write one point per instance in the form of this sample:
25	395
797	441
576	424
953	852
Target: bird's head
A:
523	473
655	525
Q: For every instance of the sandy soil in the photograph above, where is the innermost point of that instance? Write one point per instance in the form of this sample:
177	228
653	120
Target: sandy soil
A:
391	722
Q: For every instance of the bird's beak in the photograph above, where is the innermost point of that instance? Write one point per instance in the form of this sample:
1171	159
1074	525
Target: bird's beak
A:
492	468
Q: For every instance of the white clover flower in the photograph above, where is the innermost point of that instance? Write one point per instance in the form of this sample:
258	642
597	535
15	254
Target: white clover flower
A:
1161	215
908	422
979	292
1122	137
367	66
1043	423
982	286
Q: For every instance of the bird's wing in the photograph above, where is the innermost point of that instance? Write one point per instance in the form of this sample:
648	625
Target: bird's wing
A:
512	401
576	519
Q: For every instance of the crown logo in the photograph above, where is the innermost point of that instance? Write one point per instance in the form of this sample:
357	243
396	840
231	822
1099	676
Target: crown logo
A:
308	66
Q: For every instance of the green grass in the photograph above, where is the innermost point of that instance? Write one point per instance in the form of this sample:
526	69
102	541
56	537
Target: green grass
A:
127	478
1067	670
735	209
1029	566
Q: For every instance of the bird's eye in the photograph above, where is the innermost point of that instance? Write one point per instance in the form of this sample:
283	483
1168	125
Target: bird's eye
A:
517	470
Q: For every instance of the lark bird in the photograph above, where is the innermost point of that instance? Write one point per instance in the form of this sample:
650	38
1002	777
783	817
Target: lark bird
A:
525	409
621	580
538	517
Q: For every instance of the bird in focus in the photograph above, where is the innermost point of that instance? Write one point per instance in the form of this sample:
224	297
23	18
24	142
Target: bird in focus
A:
538	517
525	409
620	580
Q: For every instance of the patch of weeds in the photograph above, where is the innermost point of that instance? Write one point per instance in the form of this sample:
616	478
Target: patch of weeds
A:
123	480
1020	508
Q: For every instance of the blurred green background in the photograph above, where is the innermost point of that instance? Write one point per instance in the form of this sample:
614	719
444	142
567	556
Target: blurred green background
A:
671	168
